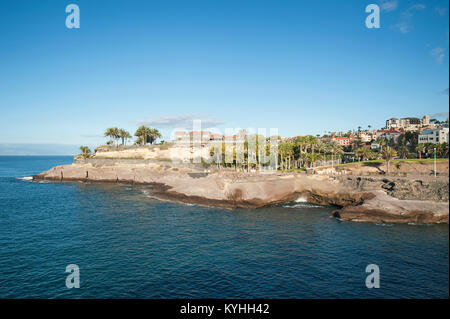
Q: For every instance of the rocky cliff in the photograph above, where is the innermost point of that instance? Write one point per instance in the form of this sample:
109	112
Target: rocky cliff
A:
365	199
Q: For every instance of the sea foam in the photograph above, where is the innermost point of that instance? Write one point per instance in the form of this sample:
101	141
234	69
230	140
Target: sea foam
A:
26	178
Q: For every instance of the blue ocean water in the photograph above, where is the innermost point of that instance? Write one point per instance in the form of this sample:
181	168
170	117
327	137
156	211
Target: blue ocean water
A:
129	245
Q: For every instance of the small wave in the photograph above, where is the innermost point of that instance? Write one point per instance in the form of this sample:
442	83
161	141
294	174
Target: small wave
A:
303	205
26	178
190	204
301	200
148	195
414	224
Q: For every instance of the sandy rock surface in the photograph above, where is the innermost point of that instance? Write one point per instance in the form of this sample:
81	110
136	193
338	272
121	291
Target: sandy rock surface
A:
360	198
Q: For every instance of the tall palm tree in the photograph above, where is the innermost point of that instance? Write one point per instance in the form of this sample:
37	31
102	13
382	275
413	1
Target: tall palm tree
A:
388	154
124	135
335	149
381	141
315	157
403	151
305	158
364	153
321	147
420	149
109	133
143	132
441	149
85	151
312	141
284	151
301	142
112	133
445	149
153	135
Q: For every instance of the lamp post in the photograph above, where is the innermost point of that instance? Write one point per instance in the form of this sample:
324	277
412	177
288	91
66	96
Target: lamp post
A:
435	162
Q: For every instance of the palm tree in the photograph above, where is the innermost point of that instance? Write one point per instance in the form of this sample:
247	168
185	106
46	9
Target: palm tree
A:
388	154
359	152
442	149
143	132
335	149
321	147
153	135
301	142
364	153
315	157
403	151
312	141
85	151
286	151
124	135
305	158
420	149
381	141
112	133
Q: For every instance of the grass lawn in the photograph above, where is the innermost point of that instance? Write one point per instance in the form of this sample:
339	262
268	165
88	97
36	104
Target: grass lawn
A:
409	160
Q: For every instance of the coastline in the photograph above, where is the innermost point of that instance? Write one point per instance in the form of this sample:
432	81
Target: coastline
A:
357	198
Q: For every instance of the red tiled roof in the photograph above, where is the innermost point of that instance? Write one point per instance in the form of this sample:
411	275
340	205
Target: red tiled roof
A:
341	138
388	131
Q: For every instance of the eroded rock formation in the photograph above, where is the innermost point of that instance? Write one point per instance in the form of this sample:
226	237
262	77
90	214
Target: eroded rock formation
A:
364	199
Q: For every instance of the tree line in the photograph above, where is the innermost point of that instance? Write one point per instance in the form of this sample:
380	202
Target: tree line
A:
145	135
294	153
305	151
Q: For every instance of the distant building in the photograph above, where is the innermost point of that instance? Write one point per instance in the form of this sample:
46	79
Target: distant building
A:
429	127
180	135
389	135
374	146
407	123
434	136
216	137
200	136
197	136
343	141
365	137
426	120
230	139
392	123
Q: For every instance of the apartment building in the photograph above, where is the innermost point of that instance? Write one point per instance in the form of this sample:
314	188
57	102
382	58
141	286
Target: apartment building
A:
391	134
366	137
434	136
343	141
407	123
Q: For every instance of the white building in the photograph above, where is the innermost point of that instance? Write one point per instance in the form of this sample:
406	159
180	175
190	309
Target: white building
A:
200	136
389	135
366	137
437	136
180	135
407	123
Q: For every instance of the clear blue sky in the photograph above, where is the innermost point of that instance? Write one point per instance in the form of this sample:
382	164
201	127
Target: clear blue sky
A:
300	66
